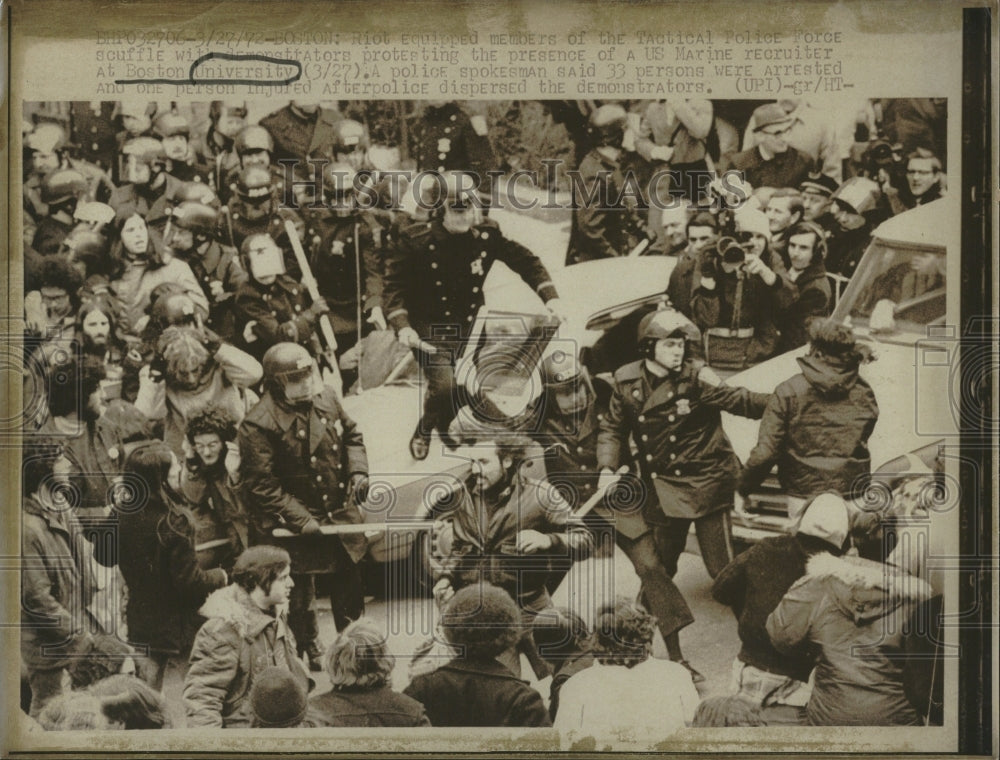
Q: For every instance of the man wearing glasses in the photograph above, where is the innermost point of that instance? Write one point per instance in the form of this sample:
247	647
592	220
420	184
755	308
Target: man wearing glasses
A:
923	182
772	162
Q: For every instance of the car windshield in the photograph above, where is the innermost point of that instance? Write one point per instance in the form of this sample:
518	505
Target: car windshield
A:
897	287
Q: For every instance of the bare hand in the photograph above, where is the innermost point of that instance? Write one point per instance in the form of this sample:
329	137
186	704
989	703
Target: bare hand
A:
754	265
443	591
217	289
531	541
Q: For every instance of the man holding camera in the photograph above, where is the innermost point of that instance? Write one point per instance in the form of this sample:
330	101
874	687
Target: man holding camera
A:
733	304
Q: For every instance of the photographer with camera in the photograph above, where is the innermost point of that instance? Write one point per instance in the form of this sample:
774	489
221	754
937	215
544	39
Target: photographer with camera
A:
733	304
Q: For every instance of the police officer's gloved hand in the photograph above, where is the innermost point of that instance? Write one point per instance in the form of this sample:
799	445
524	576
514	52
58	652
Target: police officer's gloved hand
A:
359	487
318	307
312	528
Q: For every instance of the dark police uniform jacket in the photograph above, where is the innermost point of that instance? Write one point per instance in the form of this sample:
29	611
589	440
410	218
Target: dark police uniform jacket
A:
296	137
444	139
571	461
435	278
219	262
334	244
683	452
295	467
278	311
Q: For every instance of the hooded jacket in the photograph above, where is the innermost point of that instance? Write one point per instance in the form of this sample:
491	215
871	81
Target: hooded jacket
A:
850	613
754	583
816	428
236	643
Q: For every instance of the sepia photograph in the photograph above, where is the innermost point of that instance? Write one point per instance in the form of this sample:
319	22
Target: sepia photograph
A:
339	418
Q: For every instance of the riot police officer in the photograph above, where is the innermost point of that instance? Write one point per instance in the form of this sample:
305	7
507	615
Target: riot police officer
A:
304	466
253	147
149	187
575	405
61	191
254	210
272	307
669	403
191	236
174	133
344	259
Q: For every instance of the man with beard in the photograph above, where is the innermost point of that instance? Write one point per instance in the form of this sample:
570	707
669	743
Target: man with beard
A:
304	465
434	288
670	405
190	235
575	405
271	307
505	529
94	432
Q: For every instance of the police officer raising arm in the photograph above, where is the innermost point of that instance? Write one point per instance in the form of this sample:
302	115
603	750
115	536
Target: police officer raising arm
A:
434	288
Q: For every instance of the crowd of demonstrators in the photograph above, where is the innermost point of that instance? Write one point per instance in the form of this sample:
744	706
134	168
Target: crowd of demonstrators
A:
189	301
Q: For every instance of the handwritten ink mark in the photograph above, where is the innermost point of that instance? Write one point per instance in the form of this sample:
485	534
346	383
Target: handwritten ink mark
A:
227	57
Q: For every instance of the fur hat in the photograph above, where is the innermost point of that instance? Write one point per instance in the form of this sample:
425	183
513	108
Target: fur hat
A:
277	699
483	619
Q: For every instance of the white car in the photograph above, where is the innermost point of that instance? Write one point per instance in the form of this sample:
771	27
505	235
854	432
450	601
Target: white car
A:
896	301
597	296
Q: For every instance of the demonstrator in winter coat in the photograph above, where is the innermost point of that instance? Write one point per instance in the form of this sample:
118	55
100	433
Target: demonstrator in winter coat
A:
246	632
817	424
753	584
850	613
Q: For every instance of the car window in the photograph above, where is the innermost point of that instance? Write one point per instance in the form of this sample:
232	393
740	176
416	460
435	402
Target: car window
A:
896	288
